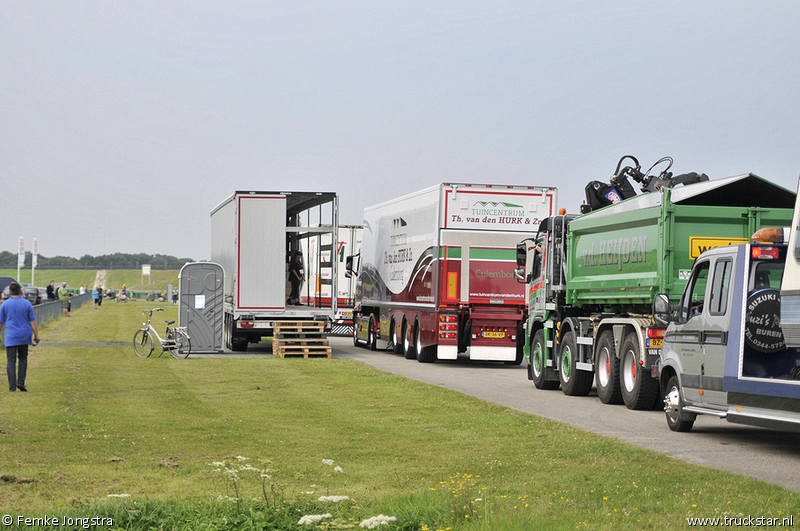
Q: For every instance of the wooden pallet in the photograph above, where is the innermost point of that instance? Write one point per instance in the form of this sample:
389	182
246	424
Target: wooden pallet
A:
298	327
305	348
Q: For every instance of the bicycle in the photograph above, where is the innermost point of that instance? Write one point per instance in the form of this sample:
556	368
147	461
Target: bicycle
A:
177	341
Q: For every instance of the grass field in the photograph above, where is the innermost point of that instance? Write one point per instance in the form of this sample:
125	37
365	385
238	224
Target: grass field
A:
254	443
132	278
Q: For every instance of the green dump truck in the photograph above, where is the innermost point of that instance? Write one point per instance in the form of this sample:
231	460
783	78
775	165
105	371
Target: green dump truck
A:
591	278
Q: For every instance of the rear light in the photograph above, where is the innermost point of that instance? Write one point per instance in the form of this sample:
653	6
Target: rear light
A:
448	318
765	253
246	324
656	332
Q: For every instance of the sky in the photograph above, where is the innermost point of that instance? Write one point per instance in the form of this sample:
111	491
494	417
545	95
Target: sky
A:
123	124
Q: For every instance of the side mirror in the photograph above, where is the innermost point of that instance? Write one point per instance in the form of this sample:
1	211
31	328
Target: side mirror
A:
348	266
519	274
662	313
522	255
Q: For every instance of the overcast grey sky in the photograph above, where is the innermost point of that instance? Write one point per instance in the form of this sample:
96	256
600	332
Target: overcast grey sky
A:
124	123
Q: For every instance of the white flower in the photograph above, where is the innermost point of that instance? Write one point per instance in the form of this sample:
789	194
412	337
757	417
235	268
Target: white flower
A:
375	521
119	495
218	463
334	499
240	458
338	469
328	462
313	518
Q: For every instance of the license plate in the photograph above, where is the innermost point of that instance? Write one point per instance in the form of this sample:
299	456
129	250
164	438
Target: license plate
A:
656	342
494	334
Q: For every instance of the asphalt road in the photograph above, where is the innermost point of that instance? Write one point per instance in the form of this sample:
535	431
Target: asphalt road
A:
768	455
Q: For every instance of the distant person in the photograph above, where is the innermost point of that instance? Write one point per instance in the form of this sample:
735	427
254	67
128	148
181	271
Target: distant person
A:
97	295
296	277
19	319
64	296
51	291
82	290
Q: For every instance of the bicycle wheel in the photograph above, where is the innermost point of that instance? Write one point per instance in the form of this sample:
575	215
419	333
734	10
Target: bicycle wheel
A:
183	346
143	343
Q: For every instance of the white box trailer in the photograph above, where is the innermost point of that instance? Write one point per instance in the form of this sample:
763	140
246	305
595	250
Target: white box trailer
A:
436	272
348	243
253	234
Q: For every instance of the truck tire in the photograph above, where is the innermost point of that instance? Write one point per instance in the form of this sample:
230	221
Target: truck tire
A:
372	336
638	389
228	334
538	363
606	370
673	406
238	343
397	344
408	345
573	381
355	332
424	354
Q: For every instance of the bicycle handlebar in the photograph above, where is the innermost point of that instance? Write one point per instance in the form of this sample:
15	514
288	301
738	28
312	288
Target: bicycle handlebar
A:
153	310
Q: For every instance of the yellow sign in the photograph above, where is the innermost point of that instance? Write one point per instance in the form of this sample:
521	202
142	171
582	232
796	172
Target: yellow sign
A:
698	246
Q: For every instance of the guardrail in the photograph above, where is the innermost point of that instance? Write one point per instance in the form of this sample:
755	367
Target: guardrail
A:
52	310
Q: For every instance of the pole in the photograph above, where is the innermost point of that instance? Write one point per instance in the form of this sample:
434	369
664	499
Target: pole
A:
34	260
20	255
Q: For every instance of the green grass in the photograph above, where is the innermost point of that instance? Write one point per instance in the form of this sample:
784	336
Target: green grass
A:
97	421
115	278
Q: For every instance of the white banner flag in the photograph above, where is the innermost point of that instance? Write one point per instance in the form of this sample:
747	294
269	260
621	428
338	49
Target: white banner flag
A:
21	251
35	252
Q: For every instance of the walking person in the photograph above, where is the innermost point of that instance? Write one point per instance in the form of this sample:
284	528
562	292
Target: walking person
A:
97	295
19	320
64	296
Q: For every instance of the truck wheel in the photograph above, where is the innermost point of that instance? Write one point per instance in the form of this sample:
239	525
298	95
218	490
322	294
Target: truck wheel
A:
638	388
408	345
673	406
606	370
573	381
228	334
355	331
397	344
372	336
424	354
538	363
238	343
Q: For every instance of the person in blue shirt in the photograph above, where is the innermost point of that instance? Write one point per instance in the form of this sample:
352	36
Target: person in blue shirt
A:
19	321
